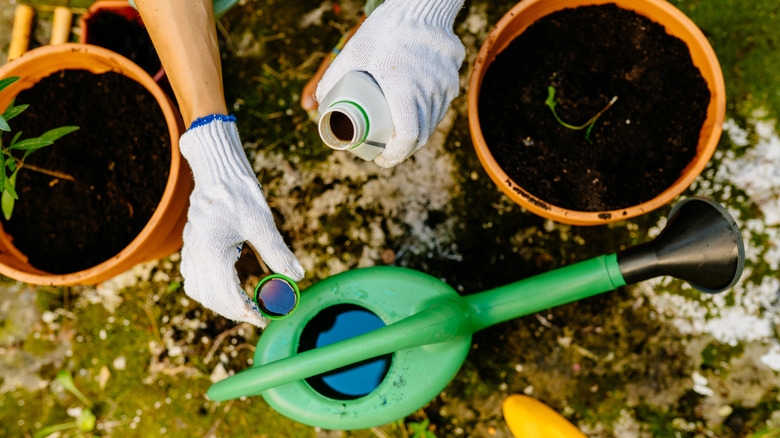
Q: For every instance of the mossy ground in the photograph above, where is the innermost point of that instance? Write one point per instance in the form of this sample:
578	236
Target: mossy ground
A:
626	363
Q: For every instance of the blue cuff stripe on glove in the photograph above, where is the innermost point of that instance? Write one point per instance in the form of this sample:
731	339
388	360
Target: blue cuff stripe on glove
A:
210	118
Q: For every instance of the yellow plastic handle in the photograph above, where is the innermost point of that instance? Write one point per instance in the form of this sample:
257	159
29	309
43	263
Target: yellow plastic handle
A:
530	418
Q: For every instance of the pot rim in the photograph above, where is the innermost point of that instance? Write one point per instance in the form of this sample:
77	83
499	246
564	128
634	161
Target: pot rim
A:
677	24
159	237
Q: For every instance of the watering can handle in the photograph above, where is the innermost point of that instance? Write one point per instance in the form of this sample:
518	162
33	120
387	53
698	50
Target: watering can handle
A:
446	319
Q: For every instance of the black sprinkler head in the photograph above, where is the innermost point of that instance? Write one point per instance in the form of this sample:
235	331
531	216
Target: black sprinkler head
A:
701	244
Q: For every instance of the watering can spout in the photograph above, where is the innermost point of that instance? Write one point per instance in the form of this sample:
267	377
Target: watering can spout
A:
701	244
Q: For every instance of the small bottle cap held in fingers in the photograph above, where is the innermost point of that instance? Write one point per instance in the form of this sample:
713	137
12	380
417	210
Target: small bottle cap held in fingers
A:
277	296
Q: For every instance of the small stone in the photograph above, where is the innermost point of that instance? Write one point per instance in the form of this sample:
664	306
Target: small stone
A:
48	317
218	374
388	256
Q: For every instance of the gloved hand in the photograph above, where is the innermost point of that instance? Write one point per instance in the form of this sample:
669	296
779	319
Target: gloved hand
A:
410	49
227	208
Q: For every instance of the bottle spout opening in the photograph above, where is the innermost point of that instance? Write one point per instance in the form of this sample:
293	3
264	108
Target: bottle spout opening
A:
343	126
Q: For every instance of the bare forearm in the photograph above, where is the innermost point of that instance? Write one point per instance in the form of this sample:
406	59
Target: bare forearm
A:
184	36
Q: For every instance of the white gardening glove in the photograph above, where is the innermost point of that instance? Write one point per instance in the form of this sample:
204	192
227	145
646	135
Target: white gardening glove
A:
410	49
227	208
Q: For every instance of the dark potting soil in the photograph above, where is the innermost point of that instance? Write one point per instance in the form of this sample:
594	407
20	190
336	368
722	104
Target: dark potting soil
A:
124	35
119	160
638	147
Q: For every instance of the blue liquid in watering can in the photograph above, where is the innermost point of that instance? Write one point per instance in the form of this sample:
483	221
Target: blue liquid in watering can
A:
334	324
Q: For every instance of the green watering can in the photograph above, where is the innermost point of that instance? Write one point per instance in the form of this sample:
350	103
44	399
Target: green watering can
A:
370	346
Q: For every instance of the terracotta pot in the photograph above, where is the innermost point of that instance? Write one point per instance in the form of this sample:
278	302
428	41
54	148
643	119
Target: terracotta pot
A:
659	11
162	234
118	7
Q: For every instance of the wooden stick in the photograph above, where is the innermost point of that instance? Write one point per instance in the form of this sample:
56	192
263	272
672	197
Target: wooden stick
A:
60	28
20	36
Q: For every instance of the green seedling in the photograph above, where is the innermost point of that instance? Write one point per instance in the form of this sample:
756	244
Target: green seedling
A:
85	423
420	430
66	380
550	102
86	420
10	163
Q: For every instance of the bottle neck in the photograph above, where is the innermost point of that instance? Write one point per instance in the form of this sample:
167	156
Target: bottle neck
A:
344	125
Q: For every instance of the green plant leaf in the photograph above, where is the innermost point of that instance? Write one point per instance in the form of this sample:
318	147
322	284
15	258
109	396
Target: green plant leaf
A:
66	380
55	134
48	430
420	430
31	144
9	185
8	81
86	421
4	125
7	204
16	138
2	169
14	110
550	102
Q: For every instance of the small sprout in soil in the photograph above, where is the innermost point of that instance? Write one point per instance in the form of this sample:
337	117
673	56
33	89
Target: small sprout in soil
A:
421	430
10	164
550	102
66	380
86	419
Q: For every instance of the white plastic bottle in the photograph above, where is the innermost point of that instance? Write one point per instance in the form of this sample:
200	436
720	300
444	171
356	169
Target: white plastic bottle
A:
354	116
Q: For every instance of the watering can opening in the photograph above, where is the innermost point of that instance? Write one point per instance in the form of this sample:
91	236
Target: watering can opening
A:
334	324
